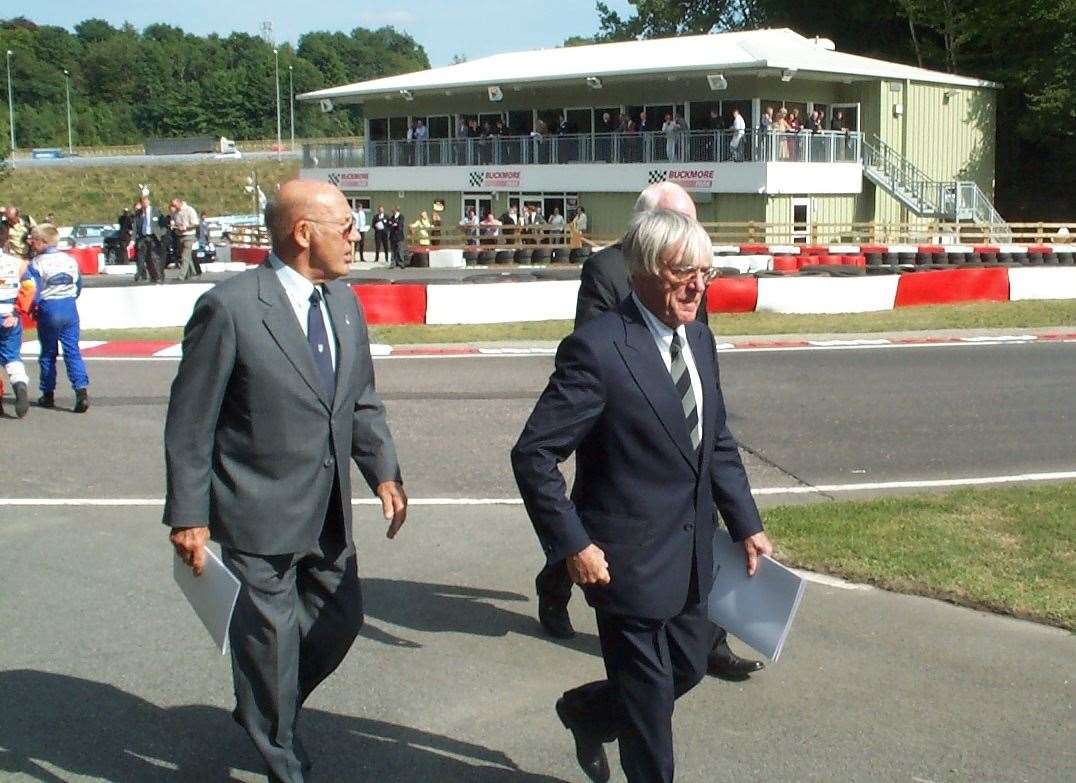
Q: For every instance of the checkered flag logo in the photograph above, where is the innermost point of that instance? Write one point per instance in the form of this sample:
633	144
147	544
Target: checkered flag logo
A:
657	175
334	179
476	179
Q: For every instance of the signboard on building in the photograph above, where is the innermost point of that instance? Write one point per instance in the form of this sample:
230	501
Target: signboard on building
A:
688	179
495	179
350	180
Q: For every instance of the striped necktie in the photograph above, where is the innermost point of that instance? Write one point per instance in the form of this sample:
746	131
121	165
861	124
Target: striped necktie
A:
682	380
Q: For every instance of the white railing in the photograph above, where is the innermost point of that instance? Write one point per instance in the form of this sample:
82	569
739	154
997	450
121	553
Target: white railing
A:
680	147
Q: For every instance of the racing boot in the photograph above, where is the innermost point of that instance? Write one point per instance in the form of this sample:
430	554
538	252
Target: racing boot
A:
22	399
46	400
82	401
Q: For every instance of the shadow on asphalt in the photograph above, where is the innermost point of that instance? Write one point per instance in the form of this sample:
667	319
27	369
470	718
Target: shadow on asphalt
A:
97	730
437	608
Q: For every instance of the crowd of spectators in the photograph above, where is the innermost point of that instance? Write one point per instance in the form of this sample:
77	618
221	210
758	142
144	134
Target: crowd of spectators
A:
618	137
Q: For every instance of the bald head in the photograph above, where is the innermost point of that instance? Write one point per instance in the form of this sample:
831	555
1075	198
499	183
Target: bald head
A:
298	199
666	195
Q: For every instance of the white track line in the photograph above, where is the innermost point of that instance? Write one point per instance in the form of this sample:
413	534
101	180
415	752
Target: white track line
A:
796	490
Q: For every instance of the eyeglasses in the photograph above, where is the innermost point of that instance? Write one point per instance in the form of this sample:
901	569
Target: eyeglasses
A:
348	227
685	274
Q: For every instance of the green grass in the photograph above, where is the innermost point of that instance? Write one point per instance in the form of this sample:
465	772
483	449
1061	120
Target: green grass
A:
999	315
92	194
1010	550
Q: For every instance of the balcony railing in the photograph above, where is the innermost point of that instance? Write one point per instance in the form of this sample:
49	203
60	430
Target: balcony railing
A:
682	147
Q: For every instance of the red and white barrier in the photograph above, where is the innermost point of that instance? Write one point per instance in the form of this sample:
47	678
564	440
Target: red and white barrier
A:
510	302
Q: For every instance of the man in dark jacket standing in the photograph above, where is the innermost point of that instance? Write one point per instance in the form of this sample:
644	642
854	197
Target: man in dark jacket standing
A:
397	229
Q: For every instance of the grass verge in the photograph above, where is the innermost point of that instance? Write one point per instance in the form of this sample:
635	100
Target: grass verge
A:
1010	550
979	315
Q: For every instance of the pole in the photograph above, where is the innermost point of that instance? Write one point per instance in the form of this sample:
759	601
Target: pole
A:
10	105
67	86
291	105
276	60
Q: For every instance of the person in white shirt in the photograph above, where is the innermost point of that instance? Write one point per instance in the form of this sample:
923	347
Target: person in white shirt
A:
361	226
738	128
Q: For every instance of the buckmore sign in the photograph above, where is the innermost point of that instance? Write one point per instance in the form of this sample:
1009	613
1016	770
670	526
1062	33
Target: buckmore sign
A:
689	179
349	180
497	179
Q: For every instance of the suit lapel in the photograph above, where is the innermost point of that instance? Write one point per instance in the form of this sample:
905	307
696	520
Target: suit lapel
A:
644	362
343	325
280	320
704	363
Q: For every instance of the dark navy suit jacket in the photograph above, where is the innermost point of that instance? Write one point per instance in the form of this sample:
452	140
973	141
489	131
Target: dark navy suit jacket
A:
641	493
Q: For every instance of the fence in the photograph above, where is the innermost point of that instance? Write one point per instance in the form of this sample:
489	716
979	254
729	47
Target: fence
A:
933	232
679	147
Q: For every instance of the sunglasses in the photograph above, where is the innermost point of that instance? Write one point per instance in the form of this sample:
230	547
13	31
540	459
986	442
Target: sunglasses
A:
685	274
348	227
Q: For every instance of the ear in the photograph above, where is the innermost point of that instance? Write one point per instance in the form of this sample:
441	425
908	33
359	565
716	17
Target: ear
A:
301	234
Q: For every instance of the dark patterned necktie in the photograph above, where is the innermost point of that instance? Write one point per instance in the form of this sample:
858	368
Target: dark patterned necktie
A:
682	380
318	336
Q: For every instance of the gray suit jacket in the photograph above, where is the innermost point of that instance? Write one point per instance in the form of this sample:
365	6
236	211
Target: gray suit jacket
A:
251	443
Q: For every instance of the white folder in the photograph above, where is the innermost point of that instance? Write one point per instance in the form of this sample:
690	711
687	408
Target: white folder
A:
212	595
757	609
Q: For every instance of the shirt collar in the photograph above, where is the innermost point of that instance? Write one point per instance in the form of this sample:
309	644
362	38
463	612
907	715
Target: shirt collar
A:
297	287
661	331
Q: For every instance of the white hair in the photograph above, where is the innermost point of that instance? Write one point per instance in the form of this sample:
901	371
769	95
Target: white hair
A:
656	231
653	195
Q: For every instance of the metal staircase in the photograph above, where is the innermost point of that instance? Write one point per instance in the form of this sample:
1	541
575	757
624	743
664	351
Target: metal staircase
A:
950	200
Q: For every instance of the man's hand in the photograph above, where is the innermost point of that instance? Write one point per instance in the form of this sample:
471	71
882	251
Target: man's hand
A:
190	546
754	547
9	321
393	504
589	567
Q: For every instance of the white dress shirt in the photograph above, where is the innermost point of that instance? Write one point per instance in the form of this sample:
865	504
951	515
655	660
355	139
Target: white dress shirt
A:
298	290
663	336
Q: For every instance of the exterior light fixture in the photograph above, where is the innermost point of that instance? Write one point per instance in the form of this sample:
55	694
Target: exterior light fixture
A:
717	81
407	95
495	93
787	74
594	83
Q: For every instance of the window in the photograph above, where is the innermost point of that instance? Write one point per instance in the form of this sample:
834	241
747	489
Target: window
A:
379	130
439	127
397	128
359	202
579	120
520	123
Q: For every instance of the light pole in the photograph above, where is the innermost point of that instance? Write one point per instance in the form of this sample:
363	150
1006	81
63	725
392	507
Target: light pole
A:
10	104
276	60
291	105
67	87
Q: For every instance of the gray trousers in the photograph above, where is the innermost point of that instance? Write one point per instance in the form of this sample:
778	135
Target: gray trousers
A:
295	620
186	256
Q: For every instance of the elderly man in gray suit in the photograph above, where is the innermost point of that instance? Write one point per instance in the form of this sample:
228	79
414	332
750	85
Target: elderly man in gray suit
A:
274	394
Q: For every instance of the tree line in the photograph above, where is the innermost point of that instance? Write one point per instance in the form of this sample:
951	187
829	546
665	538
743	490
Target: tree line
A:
129	85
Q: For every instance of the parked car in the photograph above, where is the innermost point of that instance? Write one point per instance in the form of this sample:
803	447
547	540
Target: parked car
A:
88	234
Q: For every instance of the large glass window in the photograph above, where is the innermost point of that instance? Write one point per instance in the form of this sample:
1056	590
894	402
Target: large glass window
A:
439	127
397	128
520	123
706	115
379	130
579	120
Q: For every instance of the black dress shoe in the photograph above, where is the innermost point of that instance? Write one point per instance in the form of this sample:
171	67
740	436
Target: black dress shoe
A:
724	663
554	618
589	751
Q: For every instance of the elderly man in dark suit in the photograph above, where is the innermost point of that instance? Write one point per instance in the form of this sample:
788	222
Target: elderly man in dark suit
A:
148	233
603	285
274	395
636	396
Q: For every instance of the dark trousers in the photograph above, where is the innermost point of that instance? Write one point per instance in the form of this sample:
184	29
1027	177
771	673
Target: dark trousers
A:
555	586
648	665
146	260
360	246
381	243
397	256
295	620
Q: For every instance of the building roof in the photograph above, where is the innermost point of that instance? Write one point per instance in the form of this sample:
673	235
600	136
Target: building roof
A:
753	51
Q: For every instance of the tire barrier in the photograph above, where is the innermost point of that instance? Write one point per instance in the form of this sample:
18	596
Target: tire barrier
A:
419	259
953	285
470	257
540	255
392	304
578	255
523	255
486	257
732	295
505	256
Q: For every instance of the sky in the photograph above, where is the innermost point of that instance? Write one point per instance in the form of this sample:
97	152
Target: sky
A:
473	28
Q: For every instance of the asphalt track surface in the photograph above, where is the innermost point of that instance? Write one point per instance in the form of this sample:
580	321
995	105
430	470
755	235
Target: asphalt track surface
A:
105	674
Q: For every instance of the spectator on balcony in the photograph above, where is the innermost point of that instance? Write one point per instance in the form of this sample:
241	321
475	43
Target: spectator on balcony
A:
643	125
814	122
607	126
780	126
765	131
793	120
837	123
671	131
469	224
381	235
739	128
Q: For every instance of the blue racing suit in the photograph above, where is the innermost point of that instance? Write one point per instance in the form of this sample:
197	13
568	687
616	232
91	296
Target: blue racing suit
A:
16	298
58	286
